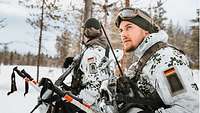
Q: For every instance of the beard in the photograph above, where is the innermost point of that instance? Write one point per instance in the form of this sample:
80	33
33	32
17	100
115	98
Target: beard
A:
130	50
129	47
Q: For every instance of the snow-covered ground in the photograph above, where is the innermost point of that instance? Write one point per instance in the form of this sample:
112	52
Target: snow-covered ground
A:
16	102
196	74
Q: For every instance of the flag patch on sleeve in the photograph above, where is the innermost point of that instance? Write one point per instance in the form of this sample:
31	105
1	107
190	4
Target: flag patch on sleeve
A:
92	65
175	82
91	59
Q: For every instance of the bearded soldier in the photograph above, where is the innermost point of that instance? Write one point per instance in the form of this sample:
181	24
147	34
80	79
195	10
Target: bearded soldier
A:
161	80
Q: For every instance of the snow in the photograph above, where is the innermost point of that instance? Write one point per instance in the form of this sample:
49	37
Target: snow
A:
16	102
196	74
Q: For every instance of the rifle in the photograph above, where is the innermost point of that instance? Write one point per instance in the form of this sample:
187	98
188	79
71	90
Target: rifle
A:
66	96
76	61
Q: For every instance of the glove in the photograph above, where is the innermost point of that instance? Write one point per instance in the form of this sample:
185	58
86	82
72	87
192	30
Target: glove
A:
123	85
120	98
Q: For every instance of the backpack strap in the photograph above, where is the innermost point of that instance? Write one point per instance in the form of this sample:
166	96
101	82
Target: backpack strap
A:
139	67
107	51
146	56
149	53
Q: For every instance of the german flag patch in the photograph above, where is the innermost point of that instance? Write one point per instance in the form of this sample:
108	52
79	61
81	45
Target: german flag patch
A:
91	59
92	65
174	81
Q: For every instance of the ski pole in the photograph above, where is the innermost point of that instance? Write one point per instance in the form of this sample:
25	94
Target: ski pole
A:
112	50
28	79
65	95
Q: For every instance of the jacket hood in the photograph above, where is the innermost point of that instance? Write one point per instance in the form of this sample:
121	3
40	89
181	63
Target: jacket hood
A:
149	41
100	41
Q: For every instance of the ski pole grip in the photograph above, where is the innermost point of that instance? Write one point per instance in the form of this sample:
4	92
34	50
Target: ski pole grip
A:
19	72
27	75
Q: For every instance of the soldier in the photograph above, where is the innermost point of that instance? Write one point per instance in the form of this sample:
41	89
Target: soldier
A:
94	65
92	73
161	76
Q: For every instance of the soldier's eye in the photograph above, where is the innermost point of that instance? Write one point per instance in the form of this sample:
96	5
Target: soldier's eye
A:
128	27
120	30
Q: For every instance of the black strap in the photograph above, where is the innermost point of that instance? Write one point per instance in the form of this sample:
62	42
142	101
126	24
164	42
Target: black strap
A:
26	82
143	60
107	51
150	52
146	56
26	87
13	84
79	61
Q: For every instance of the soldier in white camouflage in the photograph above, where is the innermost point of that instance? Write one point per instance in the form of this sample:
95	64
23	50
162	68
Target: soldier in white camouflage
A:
162	75
91	75
96	64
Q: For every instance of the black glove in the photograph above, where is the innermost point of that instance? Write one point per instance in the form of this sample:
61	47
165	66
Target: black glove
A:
123	85
120	98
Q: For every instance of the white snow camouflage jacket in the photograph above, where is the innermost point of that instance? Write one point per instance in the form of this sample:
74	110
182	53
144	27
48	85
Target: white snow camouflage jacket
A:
95	71
158	75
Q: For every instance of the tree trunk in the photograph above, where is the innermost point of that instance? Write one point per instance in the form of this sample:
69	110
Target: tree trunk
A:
88	10
40	41
87	13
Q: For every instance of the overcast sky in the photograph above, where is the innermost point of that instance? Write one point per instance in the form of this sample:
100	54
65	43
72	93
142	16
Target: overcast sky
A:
180	11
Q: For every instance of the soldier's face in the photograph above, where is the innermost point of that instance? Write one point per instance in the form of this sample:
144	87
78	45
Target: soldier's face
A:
131	35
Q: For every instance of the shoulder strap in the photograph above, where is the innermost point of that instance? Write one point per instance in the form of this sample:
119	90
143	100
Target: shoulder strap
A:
146	56
150	52
107	51
78	62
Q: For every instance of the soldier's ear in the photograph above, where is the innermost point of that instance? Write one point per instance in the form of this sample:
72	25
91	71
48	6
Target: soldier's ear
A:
146	32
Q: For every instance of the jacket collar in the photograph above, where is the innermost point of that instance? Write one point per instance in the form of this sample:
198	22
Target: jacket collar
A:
100	41
149	41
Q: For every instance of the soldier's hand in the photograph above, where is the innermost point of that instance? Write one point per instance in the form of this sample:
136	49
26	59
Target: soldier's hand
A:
120	98
123	85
